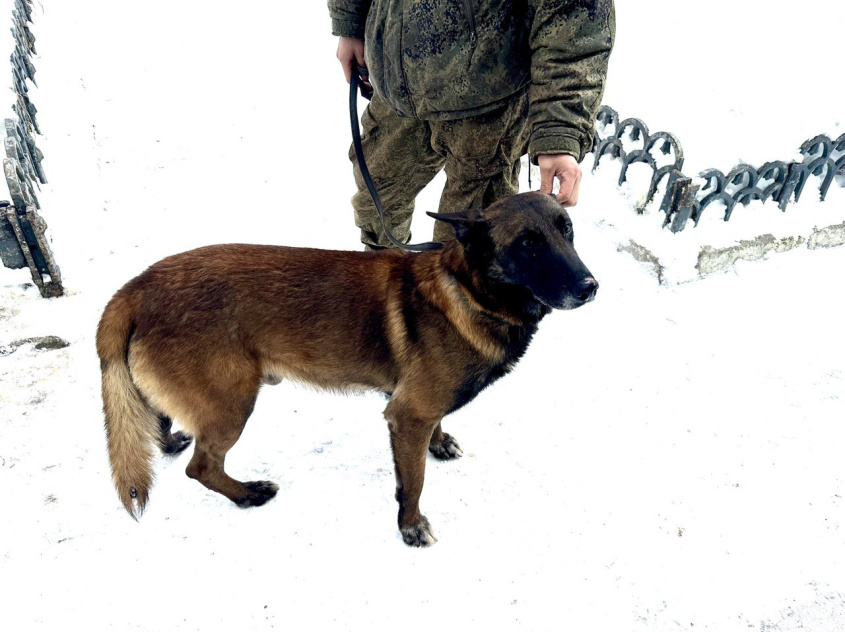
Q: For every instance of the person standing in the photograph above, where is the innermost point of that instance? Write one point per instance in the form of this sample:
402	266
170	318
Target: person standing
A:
470	86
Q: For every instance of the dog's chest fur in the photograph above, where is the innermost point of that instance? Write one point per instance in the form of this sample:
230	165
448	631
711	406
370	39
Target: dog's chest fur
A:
476	339
515	343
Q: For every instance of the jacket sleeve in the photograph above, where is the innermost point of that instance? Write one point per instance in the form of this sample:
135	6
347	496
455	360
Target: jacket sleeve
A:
349	17
570	44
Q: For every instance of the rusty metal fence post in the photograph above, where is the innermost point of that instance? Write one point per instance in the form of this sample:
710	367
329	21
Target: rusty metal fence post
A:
22	230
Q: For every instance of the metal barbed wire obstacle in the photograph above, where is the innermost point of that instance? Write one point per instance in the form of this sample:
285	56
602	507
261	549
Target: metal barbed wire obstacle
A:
22	230
684	199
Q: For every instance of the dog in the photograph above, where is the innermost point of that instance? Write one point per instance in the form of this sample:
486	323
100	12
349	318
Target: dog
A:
195	336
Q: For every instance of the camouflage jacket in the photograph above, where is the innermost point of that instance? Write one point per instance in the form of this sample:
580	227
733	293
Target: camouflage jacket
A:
443	59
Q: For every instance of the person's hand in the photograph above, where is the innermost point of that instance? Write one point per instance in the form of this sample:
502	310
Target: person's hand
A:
565	169
350	51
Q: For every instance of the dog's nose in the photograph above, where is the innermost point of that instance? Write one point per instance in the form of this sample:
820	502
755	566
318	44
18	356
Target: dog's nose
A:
588	289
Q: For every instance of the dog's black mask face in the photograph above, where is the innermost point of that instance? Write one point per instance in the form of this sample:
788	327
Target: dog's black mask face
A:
526	241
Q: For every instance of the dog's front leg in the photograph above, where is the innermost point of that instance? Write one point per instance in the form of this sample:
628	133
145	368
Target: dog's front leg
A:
443	445
410	435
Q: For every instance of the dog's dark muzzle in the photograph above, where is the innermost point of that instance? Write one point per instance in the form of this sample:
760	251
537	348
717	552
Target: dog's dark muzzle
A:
575	293
587	289
565	282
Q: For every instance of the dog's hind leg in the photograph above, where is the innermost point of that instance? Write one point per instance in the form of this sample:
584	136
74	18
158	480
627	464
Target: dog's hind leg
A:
216	434
443	445
171	442
410	435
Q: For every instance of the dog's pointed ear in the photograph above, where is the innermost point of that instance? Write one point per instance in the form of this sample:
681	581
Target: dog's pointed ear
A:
465	224
455	219
472	231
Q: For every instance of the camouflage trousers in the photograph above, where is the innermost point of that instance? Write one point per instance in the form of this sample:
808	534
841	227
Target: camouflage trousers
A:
480	155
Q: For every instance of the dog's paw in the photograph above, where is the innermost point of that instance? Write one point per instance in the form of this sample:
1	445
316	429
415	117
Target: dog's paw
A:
177	443
420	534
259	493
447	449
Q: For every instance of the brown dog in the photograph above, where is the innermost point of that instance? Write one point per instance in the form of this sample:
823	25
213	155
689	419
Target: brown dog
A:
195	336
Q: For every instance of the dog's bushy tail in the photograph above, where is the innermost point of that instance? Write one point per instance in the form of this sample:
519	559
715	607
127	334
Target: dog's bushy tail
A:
131	426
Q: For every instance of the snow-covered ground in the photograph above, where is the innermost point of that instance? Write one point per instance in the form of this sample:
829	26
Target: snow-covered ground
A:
665	458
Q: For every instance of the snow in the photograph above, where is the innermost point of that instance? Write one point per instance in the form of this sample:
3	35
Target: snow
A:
665	458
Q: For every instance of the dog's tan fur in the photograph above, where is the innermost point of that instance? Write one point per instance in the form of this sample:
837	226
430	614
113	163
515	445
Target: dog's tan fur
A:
196	335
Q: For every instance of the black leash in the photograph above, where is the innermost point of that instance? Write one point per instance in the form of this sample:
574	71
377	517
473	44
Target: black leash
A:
365	173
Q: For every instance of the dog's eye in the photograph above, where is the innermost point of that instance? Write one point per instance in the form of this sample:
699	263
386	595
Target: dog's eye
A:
530	241
563	225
